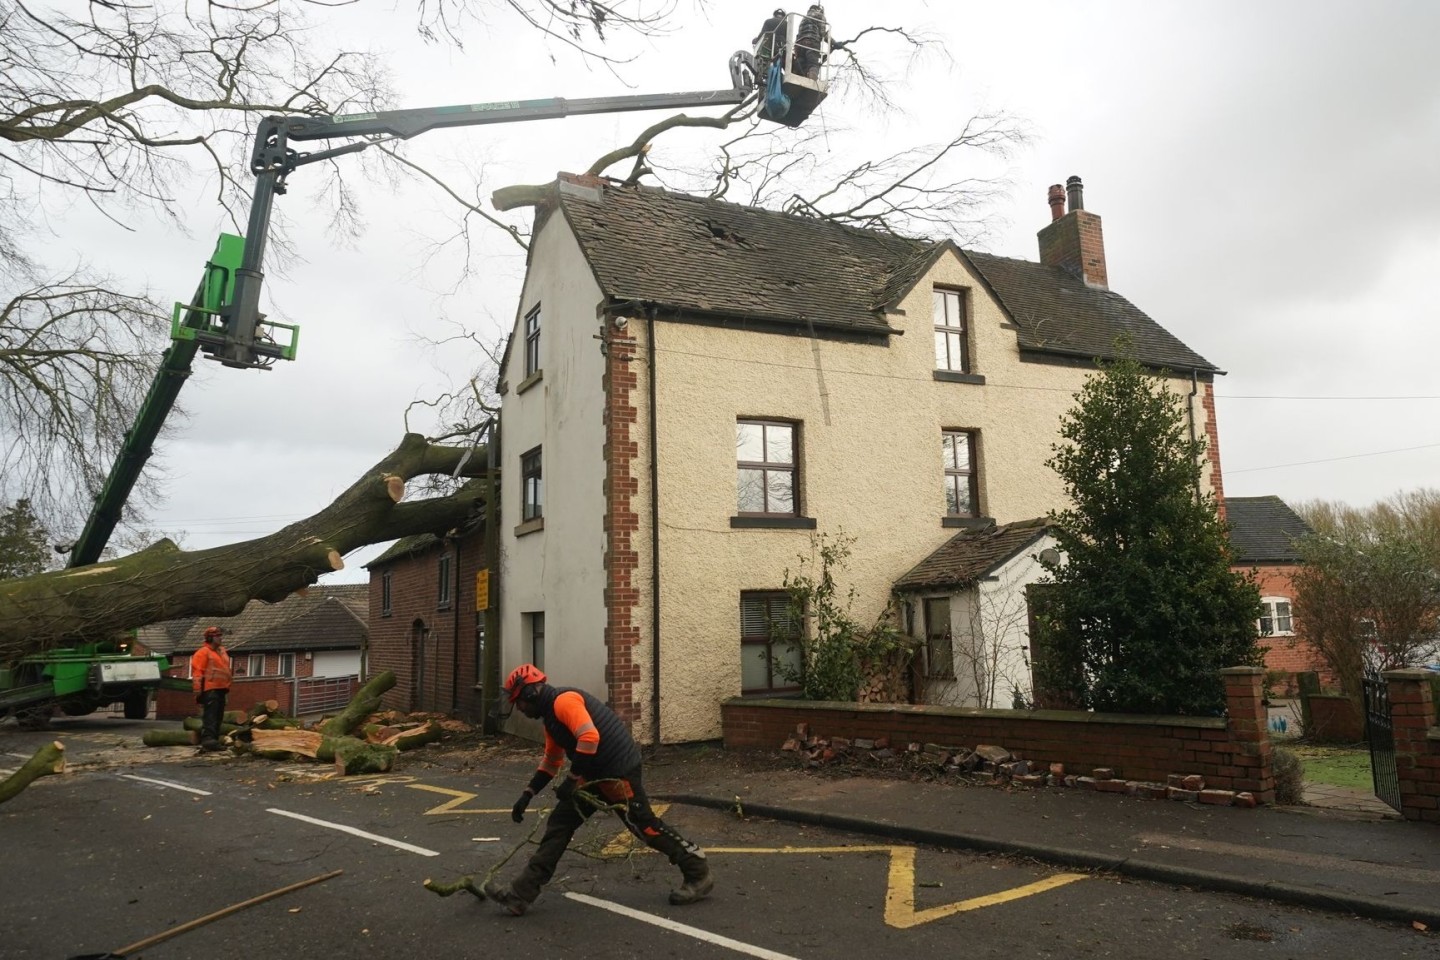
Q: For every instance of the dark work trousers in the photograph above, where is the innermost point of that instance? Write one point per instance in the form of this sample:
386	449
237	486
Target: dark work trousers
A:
212	707
626	797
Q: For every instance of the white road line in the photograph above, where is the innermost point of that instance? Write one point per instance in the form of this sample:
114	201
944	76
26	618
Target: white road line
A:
715	938
354	832
168	783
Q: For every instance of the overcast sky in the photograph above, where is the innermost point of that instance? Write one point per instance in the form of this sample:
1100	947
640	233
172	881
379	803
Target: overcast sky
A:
1265	172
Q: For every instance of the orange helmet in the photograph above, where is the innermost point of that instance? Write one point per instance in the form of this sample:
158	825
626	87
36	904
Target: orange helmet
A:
213	633
520	678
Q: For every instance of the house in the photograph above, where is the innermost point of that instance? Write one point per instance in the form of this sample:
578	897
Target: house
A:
1263	536
694	389
306	652
425	624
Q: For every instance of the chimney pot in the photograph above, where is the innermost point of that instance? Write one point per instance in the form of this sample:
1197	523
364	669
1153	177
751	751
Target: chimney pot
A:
1056	199
1076	190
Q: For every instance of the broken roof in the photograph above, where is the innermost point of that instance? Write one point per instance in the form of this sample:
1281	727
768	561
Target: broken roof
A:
971	555
325	617
709	258
1264	530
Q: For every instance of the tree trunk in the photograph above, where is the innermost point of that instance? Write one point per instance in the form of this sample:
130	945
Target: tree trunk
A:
49	759
356	756
163	582
417	737
171	738
365	702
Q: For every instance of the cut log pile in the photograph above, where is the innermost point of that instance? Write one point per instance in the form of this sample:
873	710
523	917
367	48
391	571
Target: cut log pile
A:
991	765
360	739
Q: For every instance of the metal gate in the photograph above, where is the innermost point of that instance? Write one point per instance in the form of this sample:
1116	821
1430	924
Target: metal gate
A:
1381	733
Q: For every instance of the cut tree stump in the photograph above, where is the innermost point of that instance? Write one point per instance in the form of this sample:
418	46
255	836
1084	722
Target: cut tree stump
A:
306	743
416	737
49	759
356	756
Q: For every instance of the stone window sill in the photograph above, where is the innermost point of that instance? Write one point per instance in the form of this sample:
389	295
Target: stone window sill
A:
773	523
530	381
967	523
955	376
530	526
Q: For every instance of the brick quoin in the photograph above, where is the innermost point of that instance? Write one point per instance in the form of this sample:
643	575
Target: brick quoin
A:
1212	445
622	634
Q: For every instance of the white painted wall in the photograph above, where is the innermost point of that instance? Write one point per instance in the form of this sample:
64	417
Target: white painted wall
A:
559	570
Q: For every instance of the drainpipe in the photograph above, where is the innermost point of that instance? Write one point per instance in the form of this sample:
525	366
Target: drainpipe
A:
654	543
490	675
455	634
1190	415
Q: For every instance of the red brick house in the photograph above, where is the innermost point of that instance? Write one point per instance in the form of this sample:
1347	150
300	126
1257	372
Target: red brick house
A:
1263	535
424	624
307	652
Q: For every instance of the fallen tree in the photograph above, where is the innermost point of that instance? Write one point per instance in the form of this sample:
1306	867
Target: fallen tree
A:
49	759
163	582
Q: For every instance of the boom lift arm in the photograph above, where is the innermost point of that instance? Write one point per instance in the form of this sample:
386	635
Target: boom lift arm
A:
233	340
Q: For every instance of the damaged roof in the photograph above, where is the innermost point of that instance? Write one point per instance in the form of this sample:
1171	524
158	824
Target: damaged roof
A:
1264	530
971	555
708	258
325	617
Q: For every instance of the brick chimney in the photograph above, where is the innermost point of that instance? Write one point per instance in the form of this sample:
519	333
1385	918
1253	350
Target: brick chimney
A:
1073	240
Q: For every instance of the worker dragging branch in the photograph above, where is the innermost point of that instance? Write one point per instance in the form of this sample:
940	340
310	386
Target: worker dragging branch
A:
605	772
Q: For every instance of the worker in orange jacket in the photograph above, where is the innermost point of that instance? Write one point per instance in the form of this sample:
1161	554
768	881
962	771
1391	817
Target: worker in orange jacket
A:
605	773
210	676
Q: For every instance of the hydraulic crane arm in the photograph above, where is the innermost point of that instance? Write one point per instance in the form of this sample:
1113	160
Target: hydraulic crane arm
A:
232	340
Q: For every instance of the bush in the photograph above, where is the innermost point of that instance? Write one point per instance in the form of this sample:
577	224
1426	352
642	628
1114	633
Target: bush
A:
1289	772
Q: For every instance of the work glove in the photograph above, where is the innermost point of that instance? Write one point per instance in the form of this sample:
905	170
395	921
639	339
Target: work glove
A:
517	812
565	792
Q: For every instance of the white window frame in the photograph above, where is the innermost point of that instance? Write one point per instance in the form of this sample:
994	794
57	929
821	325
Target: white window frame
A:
952	336
1270	612
250	661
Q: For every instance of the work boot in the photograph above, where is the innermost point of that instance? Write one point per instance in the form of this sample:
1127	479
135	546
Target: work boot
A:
698	882
210	746
511	901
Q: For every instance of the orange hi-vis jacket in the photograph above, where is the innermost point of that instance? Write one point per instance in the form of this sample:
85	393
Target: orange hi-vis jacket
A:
210	669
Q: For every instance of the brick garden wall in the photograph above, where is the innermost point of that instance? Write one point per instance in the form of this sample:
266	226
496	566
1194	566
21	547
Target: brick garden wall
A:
1230	754
1417	743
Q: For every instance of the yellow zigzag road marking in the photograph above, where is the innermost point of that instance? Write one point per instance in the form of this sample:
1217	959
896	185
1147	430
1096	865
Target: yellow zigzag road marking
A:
900	909
900	897
460	798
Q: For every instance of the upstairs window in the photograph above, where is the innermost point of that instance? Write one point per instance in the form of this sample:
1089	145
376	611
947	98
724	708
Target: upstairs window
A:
1275	619
255	666
442	595
765	458
532	500
961	491
532	341
952	350
287	664
386	593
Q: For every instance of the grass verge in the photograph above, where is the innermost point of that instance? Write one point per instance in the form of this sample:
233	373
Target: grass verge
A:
1340	766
